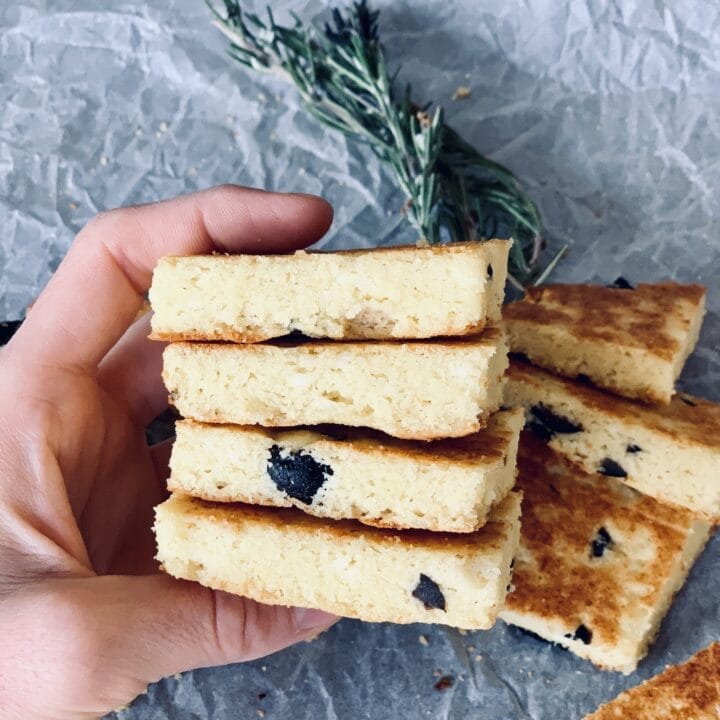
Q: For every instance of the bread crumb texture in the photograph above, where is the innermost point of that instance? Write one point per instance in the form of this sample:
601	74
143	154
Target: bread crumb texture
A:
286	557
444	485
386	293
418	390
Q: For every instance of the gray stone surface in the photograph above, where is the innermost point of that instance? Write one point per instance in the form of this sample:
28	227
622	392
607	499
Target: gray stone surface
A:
608	110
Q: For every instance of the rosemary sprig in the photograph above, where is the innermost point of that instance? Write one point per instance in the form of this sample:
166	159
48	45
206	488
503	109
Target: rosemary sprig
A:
453	192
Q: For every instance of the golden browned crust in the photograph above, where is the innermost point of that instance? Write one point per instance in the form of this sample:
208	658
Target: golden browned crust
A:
480	424
686	420
485	447
236	514
455	248
490	336
690	691
562	512
228	334
379	523
630	318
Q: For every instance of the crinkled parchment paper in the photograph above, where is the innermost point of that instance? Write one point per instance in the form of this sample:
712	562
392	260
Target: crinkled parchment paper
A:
609	110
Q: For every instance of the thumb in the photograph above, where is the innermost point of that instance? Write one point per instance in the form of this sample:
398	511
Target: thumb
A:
171	626
104	639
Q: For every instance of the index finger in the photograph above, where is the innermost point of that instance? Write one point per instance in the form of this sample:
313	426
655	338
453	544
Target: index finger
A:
97	290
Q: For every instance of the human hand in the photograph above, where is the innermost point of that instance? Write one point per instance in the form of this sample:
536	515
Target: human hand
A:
86	620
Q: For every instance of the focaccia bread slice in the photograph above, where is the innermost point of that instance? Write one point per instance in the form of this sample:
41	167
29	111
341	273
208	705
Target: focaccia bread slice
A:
286	557
631	341
417	391
671	452
386	293
598	563
443	486
689	691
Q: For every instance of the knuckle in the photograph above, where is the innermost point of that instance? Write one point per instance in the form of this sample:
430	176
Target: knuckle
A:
102	220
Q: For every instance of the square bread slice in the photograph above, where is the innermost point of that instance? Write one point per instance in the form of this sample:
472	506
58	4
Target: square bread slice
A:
671	452
689	691
286	557
383	293
416	391
443	486
598	563
633	342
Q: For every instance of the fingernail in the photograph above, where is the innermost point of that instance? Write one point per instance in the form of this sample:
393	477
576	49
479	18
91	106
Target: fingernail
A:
309	619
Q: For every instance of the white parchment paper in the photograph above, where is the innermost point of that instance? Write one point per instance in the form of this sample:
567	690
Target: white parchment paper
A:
608	109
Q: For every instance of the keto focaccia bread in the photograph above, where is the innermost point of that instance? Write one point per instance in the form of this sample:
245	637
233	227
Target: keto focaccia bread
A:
598	563
286	557
445	485
631	341
418	390
671	452
387	293
690	691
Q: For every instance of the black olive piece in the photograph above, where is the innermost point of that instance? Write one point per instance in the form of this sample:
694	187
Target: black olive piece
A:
601	542
554	422
298	473
612	469
582	633
521	357
633	448
688	401
429	594
622	284
444	683
7	329
539	431
584	379
296	335
489	271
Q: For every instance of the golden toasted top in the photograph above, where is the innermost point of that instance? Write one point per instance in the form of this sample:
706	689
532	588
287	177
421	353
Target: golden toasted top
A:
653	317
489	338
690	691
468	247
455	248
592	551
488	538
484	447
687	419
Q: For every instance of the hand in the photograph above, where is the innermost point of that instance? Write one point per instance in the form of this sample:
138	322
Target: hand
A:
86	620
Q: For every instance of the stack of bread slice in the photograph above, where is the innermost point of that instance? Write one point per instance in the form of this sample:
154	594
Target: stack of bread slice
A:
342	446
621	475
